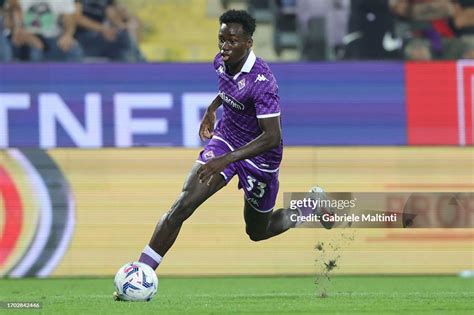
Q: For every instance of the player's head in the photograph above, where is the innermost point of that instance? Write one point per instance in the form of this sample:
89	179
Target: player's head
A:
235	35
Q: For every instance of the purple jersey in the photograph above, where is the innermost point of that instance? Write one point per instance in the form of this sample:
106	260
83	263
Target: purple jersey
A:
250	95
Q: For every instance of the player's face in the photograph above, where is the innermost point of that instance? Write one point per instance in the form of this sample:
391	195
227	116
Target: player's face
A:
234	44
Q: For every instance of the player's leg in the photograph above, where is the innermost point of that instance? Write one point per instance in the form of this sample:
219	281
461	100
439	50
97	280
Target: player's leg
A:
261	189
263	225
193	194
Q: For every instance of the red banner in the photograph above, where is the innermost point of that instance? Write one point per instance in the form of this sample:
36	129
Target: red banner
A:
440	103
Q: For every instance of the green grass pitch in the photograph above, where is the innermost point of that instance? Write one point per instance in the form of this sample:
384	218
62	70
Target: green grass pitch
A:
251	295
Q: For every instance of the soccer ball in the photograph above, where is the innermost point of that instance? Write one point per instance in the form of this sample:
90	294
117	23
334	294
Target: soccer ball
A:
136	282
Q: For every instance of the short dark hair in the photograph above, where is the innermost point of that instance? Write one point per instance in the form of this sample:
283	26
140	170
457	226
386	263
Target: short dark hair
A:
240	17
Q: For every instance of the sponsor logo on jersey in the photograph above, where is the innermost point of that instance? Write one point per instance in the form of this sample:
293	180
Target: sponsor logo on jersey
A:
260	78
231	101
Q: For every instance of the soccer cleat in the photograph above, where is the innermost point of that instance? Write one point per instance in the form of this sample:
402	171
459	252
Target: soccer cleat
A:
323	213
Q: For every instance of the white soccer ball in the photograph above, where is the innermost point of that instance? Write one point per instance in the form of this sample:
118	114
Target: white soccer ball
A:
136	282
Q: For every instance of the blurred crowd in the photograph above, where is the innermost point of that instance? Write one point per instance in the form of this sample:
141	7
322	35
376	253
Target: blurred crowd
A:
379	29
67	30
89	30
410	29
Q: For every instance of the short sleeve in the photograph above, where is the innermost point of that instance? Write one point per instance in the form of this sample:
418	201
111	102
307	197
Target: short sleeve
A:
265	94
217	62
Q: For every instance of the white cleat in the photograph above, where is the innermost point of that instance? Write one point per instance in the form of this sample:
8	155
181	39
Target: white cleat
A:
116	297
325	214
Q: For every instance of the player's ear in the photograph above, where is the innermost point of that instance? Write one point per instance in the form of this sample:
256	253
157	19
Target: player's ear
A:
249	42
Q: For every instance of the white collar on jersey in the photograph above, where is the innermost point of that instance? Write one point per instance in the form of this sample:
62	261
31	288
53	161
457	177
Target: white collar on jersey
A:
251	58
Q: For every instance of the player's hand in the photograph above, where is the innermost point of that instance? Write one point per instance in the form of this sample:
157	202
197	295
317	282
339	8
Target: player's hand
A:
213	167
206	129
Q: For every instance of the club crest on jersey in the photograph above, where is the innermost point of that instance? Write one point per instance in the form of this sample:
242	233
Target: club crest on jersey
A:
260	78
231	101
209	155
241	84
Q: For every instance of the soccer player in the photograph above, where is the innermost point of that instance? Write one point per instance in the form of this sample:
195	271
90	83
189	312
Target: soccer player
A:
246	142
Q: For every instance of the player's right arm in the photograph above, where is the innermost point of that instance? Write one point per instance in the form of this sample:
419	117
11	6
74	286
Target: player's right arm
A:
206	130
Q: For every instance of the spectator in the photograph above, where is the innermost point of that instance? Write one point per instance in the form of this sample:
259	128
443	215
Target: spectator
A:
43	30
371	32
5	47
284	23
426	29
134	27
286	5
463	25
322	25
102	31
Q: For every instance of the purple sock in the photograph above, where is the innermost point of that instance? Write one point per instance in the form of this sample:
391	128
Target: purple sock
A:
150	257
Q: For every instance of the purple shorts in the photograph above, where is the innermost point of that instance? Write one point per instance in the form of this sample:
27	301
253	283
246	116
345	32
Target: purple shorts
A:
260	185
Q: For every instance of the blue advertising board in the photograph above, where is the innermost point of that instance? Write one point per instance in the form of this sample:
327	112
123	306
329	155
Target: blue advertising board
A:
125	105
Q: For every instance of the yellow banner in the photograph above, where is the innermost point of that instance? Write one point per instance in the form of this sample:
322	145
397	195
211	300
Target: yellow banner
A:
75	212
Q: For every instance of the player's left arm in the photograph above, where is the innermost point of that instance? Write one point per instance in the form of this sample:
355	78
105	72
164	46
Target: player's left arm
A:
268	139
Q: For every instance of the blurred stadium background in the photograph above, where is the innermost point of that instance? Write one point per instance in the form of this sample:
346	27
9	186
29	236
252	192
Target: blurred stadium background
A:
94	152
